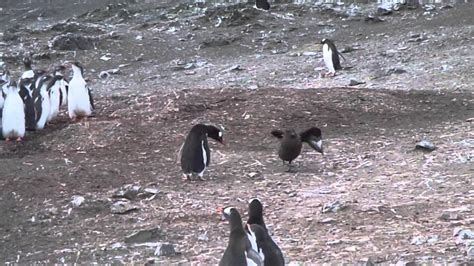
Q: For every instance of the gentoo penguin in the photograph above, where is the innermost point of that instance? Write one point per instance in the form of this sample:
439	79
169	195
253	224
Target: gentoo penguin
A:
331	56
4	82
42	101
27	83
239	251
256	226
291	143
54	91
79	97
195	153
60	71
13	114
262	4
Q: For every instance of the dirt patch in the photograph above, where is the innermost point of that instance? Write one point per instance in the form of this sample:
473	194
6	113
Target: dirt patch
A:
393	193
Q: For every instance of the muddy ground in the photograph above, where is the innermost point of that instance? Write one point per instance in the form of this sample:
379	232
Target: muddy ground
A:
178	66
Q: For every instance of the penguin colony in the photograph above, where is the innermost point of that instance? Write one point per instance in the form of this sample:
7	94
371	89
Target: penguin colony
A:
36	99
38	96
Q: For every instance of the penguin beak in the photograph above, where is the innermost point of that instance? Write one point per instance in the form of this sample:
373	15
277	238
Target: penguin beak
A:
220	211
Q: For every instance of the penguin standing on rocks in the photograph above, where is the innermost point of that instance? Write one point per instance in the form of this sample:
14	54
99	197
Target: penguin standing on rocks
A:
195	152
256	226
331	57
13	114
42	101
79	97
240	249
262	4
291	143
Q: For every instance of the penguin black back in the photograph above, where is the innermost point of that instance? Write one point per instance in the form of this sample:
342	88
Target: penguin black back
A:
195	153
335	54
271	251
239	249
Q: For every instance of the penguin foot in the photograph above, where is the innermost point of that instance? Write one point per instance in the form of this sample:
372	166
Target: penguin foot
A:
186	177
7	139
19	139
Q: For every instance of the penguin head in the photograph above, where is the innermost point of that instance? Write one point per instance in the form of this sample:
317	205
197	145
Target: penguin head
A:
215	133
77	67
255	207
27	62
291	133
60	70
227	212
323	41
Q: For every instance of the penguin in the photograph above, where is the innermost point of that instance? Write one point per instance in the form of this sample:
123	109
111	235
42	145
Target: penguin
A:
291	143
27	85
64	86
256	226
79	96
42	101
13	114
195	153
240	249
4	82
54	91
262	4
331	56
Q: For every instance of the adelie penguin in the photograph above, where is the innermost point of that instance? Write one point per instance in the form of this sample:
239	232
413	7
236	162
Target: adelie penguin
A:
80	103
256	226
241	246
331	56
195	152
13	114
291	143
262	4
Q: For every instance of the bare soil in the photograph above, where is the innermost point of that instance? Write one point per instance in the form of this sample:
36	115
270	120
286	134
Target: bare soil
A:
392	192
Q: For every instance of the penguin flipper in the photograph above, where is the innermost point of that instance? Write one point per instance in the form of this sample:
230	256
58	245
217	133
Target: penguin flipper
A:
91	100
277	133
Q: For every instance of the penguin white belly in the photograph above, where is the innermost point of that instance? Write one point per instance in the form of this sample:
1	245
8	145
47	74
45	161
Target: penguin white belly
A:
204	159
78	99
250	262
45	110
327	56
13	117
55	102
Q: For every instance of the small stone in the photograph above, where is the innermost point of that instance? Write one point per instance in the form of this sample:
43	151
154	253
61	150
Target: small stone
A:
203	237
165	249
310	53
470	252
105	58
333	207
425	145
327	221
146	235
233	68
353	82
77	201
405	263
418	240
122	207
396	70
128	191
449	216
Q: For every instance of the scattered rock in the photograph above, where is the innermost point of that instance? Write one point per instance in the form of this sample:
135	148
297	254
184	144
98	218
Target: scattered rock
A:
233	68
203	237
143	236
105	74
333	207
405	263
132	192
449	216
420	240
73	42
396	71
327	221
77	201
165	249
72	26
353	82
122	207
373	19
425	145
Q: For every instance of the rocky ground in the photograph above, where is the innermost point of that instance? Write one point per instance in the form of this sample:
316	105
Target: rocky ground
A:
110	189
